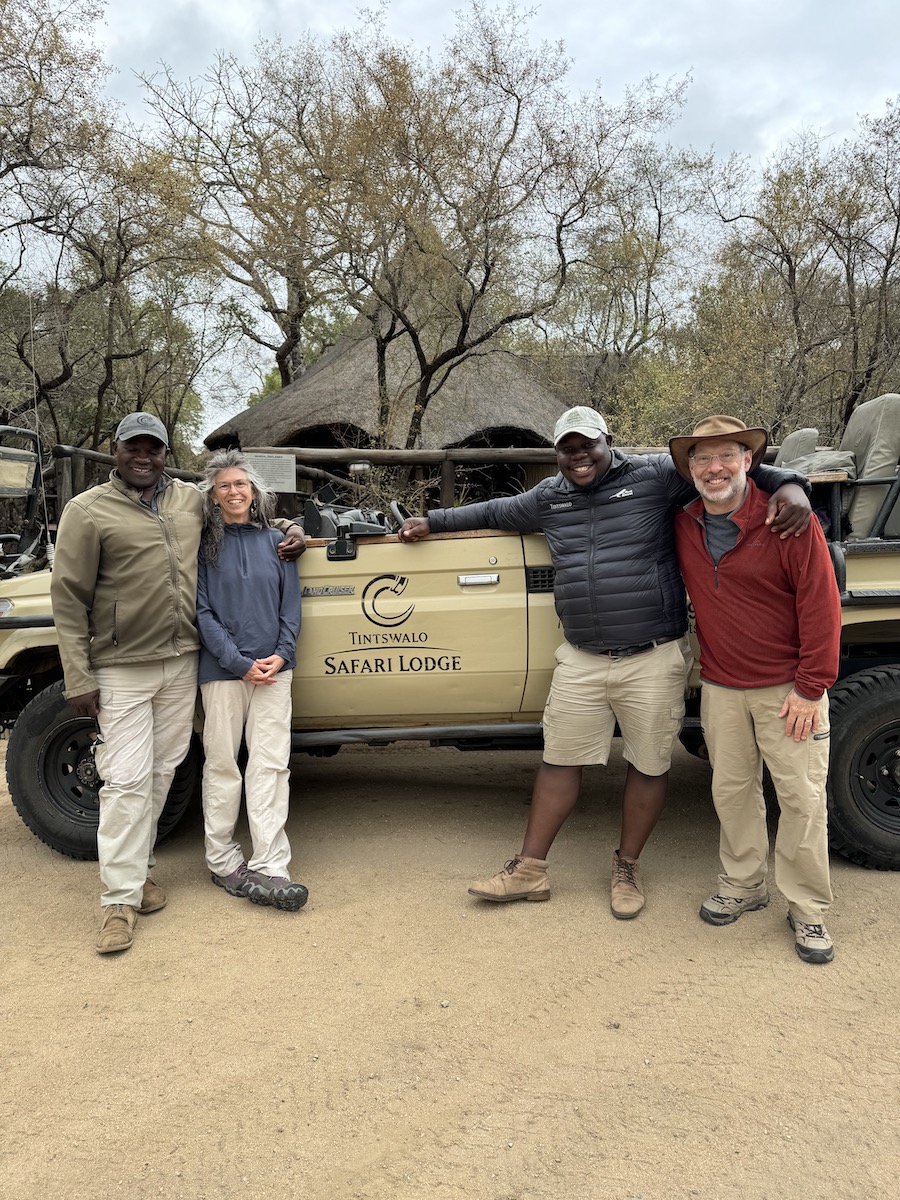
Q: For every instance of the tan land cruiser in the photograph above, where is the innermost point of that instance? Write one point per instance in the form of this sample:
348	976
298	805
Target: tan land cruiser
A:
450	643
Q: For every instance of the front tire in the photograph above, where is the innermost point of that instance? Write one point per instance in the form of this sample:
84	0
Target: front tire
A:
864	773
54	783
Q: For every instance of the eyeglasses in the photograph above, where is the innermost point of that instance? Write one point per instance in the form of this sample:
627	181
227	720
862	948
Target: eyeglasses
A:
728	458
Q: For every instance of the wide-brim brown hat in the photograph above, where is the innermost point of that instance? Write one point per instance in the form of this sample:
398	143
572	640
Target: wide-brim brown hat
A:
719	426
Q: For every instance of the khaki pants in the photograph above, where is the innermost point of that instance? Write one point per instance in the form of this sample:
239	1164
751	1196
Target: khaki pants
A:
263	715
146	719
742	730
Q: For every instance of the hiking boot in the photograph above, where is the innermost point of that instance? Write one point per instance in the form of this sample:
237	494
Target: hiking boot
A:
153	897
520	879
813	942
724	910
277	890
240	882
626	898
116	929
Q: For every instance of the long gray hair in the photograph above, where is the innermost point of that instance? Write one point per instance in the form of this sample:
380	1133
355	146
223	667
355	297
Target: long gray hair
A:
261	509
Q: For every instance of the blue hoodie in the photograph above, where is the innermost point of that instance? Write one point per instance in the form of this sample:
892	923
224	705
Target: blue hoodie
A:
248	604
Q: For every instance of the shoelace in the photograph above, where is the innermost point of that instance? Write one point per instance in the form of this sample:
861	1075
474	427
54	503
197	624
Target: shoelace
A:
817	931
625	872
511	865
114	914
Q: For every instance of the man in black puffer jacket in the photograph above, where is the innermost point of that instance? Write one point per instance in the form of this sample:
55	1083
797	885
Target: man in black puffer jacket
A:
607	518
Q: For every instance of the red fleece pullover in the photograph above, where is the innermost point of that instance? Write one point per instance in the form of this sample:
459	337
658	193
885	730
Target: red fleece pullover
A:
770	613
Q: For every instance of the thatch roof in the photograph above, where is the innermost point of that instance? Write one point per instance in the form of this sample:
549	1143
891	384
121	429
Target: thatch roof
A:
493	391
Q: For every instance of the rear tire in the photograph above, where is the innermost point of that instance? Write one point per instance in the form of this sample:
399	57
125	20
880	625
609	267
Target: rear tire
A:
54	783
864	775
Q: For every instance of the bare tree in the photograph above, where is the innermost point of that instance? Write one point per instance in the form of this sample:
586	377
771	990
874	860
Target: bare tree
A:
638	255
442	198
251	192
51	113
815	244
470	184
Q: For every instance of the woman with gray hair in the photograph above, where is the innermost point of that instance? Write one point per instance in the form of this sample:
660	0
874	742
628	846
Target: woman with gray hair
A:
248	615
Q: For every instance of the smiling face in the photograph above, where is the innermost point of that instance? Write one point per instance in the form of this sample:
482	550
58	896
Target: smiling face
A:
719	472
583	460
233	492
140	461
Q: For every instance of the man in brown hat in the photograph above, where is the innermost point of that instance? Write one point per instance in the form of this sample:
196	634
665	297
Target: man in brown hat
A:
768	623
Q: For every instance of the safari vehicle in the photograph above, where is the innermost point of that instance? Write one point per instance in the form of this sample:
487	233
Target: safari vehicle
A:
451	642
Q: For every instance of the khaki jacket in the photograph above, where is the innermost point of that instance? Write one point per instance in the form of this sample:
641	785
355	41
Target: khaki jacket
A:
124	581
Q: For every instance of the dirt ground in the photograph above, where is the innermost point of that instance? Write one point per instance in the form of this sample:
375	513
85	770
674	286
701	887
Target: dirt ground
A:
397	1038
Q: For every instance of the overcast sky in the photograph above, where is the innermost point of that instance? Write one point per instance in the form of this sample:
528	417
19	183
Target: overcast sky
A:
762	69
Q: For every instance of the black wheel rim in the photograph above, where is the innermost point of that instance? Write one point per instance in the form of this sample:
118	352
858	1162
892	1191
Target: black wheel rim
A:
875	778
68	775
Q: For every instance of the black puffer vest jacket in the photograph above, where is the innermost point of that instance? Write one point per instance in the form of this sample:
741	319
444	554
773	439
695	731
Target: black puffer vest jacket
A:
617	579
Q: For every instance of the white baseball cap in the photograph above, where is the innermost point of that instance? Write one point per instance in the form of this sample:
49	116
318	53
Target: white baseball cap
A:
582	420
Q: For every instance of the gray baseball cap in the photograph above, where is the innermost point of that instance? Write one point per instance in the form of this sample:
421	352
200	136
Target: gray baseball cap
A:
142	424
583	420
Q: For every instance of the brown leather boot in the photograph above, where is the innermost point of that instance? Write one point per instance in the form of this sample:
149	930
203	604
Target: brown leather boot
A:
520	879
626	898
116	929
153	897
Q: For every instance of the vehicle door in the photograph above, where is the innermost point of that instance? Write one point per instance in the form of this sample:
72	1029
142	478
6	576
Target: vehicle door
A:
430	631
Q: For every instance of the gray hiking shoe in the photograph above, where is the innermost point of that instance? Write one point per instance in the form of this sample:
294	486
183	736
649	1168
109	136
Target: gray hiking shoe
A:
814	945
724	910
240	882
277	890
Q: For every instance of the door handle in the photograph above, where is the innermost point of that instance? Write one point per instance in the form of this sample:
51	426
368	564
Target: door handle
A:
477	580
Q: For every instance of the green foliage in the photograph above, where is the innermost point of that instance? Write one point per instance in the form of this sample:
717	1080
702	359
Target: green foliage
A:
270	386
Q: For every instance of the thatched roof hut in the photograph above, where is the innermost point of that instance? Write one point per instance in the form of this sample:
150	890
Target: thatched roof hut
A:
492	399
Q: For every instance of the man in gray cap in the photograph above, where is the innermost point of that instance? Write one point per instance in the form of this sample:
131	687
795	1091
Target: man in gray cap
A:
124	594
607	518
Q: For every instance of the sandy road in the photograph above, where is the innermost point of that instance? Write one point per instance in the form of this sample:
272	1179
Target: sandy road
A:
398	1039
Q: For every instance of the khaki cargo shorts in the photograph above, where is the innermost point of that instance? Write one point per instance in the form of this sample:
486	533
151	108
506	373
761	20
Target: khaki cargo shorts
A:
590	693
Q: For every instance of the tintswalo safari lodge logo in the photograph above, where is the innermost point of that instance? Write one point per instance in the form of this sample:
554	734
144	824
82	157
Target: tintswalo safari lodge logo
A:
389	650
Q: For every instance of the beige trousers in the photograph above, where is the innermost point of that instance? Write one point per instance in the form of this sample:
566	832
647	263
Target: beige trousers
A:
146	719
589	693
263	715
742	730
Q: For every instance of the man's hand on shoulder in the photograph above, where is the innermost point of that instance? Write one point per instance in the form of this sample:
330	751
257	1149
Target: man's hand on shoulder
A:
293	544
414	529
789	510
87	704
